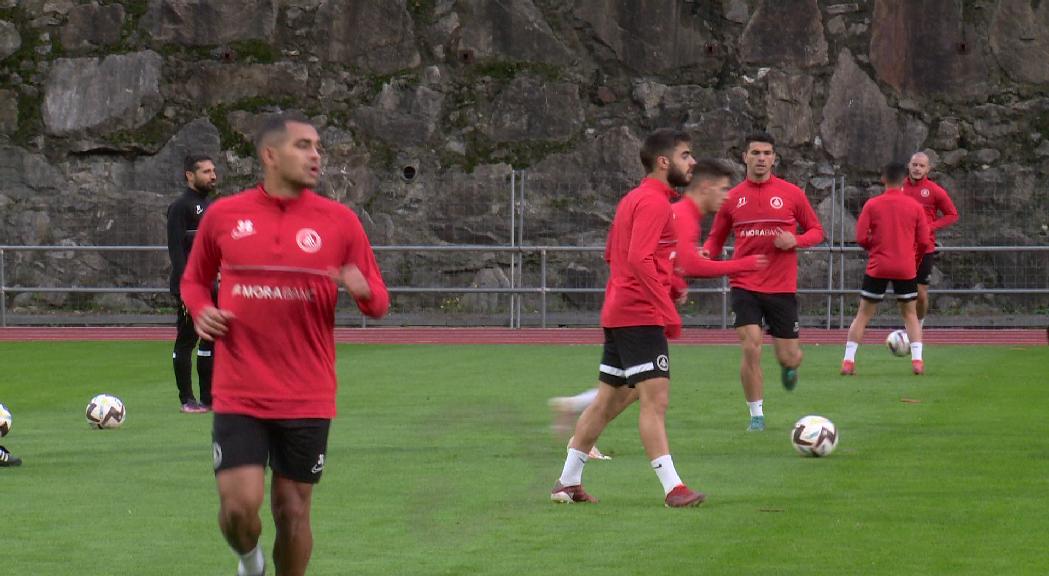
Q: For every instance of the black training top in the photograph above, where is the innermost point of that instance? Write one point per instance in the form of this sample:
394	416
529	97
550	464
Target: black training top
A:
184	216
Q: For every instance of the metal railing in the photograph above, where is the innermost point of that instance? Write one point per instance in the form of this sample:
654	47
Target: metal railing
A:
517	287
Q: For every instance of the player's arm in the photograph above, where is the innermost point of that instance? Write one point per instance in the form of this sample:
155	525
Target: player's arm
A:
863	228
361	274
719	232
948	213
691	264
176	237
650	218
808	219
201	271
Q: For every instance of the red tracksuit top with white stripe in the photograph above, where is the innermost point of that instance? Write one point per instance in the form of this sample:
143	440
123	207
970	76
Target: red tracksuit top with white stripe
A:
277	361
754	211
893	230
933	199
640	243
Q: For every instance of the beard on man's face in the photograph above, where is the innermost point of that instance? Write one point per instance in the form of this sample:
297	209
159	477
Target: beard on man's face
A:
677	177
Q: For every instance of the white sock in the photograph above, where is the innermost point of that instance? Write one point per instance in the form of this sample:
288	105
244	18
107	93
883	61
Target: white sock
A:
755	408
572	473
921	322
664	467
252	563
916	350
579	402
850	351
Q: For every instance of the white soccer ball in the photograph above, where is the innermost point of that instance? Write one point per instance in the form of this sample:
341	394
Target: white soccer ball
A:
105	411
898	342
5	420
814	436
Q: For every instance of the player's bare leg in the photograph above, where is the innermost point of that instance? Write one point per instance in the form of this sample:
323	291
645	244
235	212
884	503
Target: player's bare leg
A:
914	333
750	374
624	401
922	306
789	355
290	501
654	399
241	491
609	403
863	317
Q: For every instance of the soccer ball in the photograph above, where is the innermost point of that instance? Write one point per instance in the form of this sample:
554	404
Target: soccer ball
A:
105	411
814	436
898	343
5	420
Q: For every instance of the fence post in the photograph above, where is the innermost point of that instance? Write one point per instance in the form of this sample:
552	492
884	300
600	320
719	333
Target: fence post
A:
841	260
3	292
513	237
830	246
724	302
542	287
520	242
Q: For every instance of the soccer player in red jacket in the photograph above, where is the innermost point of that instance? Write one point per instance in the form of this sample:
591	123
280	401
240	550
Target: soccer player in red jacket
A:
281	250
939	213
764	212
893	230
638	316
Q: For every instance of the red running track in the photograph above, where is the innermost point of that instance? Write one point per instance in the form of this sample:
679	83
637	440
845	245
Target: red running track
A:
529	335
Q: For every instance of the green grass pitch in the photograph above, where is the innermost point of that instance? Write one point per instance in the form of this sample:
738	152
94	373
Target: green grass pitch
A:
441	461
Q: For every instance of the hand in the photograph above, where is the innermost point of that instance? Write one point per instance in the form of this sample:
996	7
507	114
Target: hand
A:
784	240
672	331
682	299
354	281
212	323
704	253
756	262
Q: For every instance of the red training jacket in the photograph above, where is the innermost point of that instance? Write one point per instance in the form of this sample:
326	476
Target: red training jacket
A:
754	212
277	361
893	230
640	243
933	199
688	263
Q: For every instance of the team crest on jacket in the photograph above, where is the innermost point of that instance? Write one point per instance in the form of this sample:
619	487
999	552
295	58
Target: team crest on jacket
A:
925	192
776	202
308	240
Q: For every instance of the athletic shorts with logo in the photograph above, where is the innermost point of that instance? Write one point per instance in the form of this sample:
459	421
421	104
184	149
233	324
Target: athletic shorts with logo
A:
873	289
634	354
925	268
294	449
778	311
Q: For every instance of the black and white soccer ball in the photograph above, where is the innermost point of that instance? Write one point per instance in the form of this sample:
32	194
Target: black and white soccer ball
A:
5	420
898	343
105	411
814	436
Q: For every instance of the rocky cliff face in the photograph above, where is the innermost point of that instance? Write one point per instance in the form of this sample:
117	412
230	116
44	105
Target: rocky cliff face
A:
427	105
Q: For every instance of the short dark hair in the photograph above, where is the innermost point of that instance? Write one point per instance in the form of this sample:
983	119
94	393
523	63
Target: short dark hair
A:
278	124
189	163
763	137
661	143
711	168
894	172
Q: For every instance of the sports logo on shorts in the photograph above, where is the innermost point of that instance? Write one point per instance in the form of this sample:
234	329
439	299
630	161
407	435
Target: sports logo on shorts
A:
319	466
925	192
216	454
200	209
796	328
308	240
662	362
776	202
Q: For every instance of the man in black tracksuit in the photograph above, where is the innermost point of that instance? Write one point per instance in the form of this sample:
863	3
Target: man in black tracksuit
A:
184	215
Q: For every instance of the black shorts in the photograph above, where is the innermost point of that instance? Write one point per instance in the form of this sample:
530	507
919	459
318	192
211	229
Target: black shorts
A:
925	268
873	289
293	448
779	311
634	354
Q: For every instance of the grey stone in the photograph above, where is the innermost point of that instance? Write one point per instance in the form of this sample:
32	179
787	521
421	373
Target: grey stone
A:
649	95
513	116
858	125
954	157
836	26
785	33
163	172
10	39
1043	149
650	36
915	47
402	114
835	9
736	11
213	83
91	25
210	23
509	30
948	132
986	155
8	111
373	35
789	107
120	91
120	303
487	303
1019	37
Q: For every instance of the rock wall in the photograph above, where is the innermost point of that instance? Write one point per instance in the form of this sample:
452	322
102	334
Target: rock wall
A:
427	106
